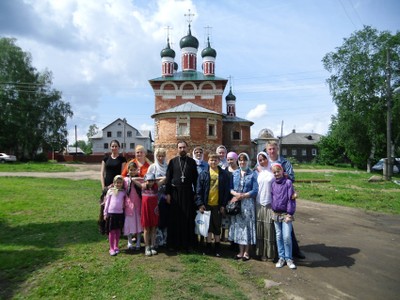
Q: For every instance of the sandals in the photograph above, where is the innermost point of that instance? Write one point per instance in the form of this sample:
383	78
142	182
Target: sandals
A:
238	257
245	257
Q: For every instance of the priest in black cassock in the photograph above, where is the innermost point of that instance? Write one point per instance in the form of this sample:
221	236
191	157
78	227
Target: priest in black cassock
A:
181	180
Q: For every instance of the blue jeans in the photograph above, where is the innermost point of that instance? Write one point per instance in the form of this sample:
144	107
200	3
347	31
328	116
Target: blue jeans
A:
284	239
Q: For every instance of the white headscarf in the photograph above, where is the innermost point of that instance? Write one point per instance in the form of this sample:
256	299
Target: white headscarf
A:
198	161
268	167
222	161
247	162
160	169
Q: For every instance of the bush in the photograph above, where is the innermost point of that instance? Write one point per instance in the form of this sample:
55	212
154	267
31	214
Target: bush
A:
41	157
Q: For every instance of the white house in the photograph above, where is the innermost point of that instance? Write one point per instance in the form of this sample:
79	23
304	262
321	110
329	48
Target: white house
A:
128	137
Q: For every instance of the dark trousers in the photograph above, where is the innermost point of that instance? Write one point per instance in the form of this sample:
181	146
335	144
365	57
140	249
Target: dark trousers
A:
295	245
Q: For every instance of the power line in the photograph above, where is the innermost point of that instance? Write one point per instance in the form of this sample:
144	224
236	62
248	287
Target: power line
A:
348	16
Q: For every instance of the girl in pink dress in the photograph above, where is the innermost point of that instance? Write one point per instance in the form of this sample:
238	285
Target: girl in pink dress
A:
150	213
114	213
133	206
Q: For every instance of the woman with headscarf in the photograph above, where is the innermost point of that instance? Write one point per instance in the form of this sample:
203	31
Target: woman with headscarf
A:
159	169
198	156
231	158
221	151
242	230
265	230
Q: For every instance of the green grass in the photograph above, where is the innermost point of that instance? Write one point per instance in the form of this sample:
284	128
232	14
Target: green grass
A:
50	249
35	167
350	189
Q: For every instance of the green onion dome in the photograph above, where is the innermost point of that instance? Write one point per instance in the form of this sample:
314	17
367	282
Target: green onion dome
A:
167	51
189	41
208	51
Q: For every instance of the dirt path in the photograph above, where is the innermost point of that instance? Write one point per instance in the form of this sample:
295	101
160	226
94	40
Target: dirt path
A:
350	254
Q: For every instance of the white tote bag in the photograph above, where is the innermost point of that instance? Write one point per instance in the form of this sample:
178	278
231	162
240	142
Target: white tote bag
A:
202	223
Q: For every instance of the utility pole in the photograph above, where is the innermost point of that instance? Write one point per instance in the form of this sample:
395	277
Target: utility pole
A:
389	162
76	143
124	146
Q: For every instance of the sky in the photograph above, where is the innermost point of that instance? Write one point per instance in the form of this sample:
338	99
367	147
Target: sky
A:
103	52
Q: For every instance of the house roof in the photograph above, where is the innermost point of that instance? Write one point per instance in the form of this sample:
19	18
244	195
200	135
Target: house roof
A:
295	138
72	149
119	120
187	107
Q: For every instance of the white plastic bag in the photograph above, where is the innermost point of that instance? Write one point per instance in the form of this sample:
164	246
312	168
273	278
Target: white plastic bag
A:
202	222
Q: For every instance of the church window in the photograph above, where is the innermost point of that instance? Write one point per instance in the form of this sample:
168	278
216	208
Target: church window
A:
183	126
211	128
236	135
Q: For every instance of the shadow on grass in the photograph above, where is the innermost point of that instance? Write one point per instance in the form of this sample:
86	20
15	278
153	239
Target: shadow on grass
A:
322	256
25	249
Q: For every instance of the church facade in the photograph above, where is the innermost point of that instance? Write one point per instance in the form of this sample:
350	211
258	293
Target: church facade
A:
189	103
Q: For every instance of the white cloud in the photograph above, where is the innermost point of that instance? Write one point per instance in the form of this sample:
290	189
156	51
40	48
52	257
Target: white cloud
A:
259	111
146	127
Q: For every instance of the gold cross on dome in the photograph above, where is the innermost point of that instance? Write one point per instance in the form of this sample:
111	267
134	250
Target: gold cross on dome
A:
189	15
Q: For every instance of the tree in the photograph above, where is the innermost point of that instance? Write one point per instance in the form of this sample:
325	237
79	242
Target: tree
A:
359	89
85	147
32	113
331	152
93	130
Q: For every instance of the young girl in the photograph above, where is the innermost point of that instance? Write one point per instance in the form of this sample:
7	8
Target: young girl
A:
133	206
150	214
114	213
283	207
159	169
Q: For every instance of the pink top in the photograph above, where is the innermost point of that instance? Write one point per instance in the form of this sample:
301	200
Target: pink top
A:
133	199
114	202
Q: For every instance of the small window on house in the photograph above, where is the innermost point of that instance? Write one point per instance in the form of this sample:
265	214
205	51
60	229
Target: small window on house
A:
304	152
109	134
129	134
132	146
313	151
294	152
236	135
122	145
284	151
119	134
105	145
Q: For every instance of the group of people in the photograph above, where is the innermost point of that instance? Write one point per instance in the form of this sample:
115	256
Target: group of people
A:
161	200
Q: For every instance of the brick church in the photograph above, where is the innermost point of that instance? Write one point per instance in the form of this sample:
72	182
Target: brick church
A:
189	103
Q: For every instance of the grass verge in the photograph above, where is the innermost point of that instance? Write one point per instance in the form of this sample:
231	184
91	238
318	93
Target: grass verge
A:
350	189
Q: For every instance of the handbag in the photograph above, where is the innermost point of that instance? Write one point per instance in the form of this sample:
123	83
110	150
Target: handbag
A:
233	208
202	223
